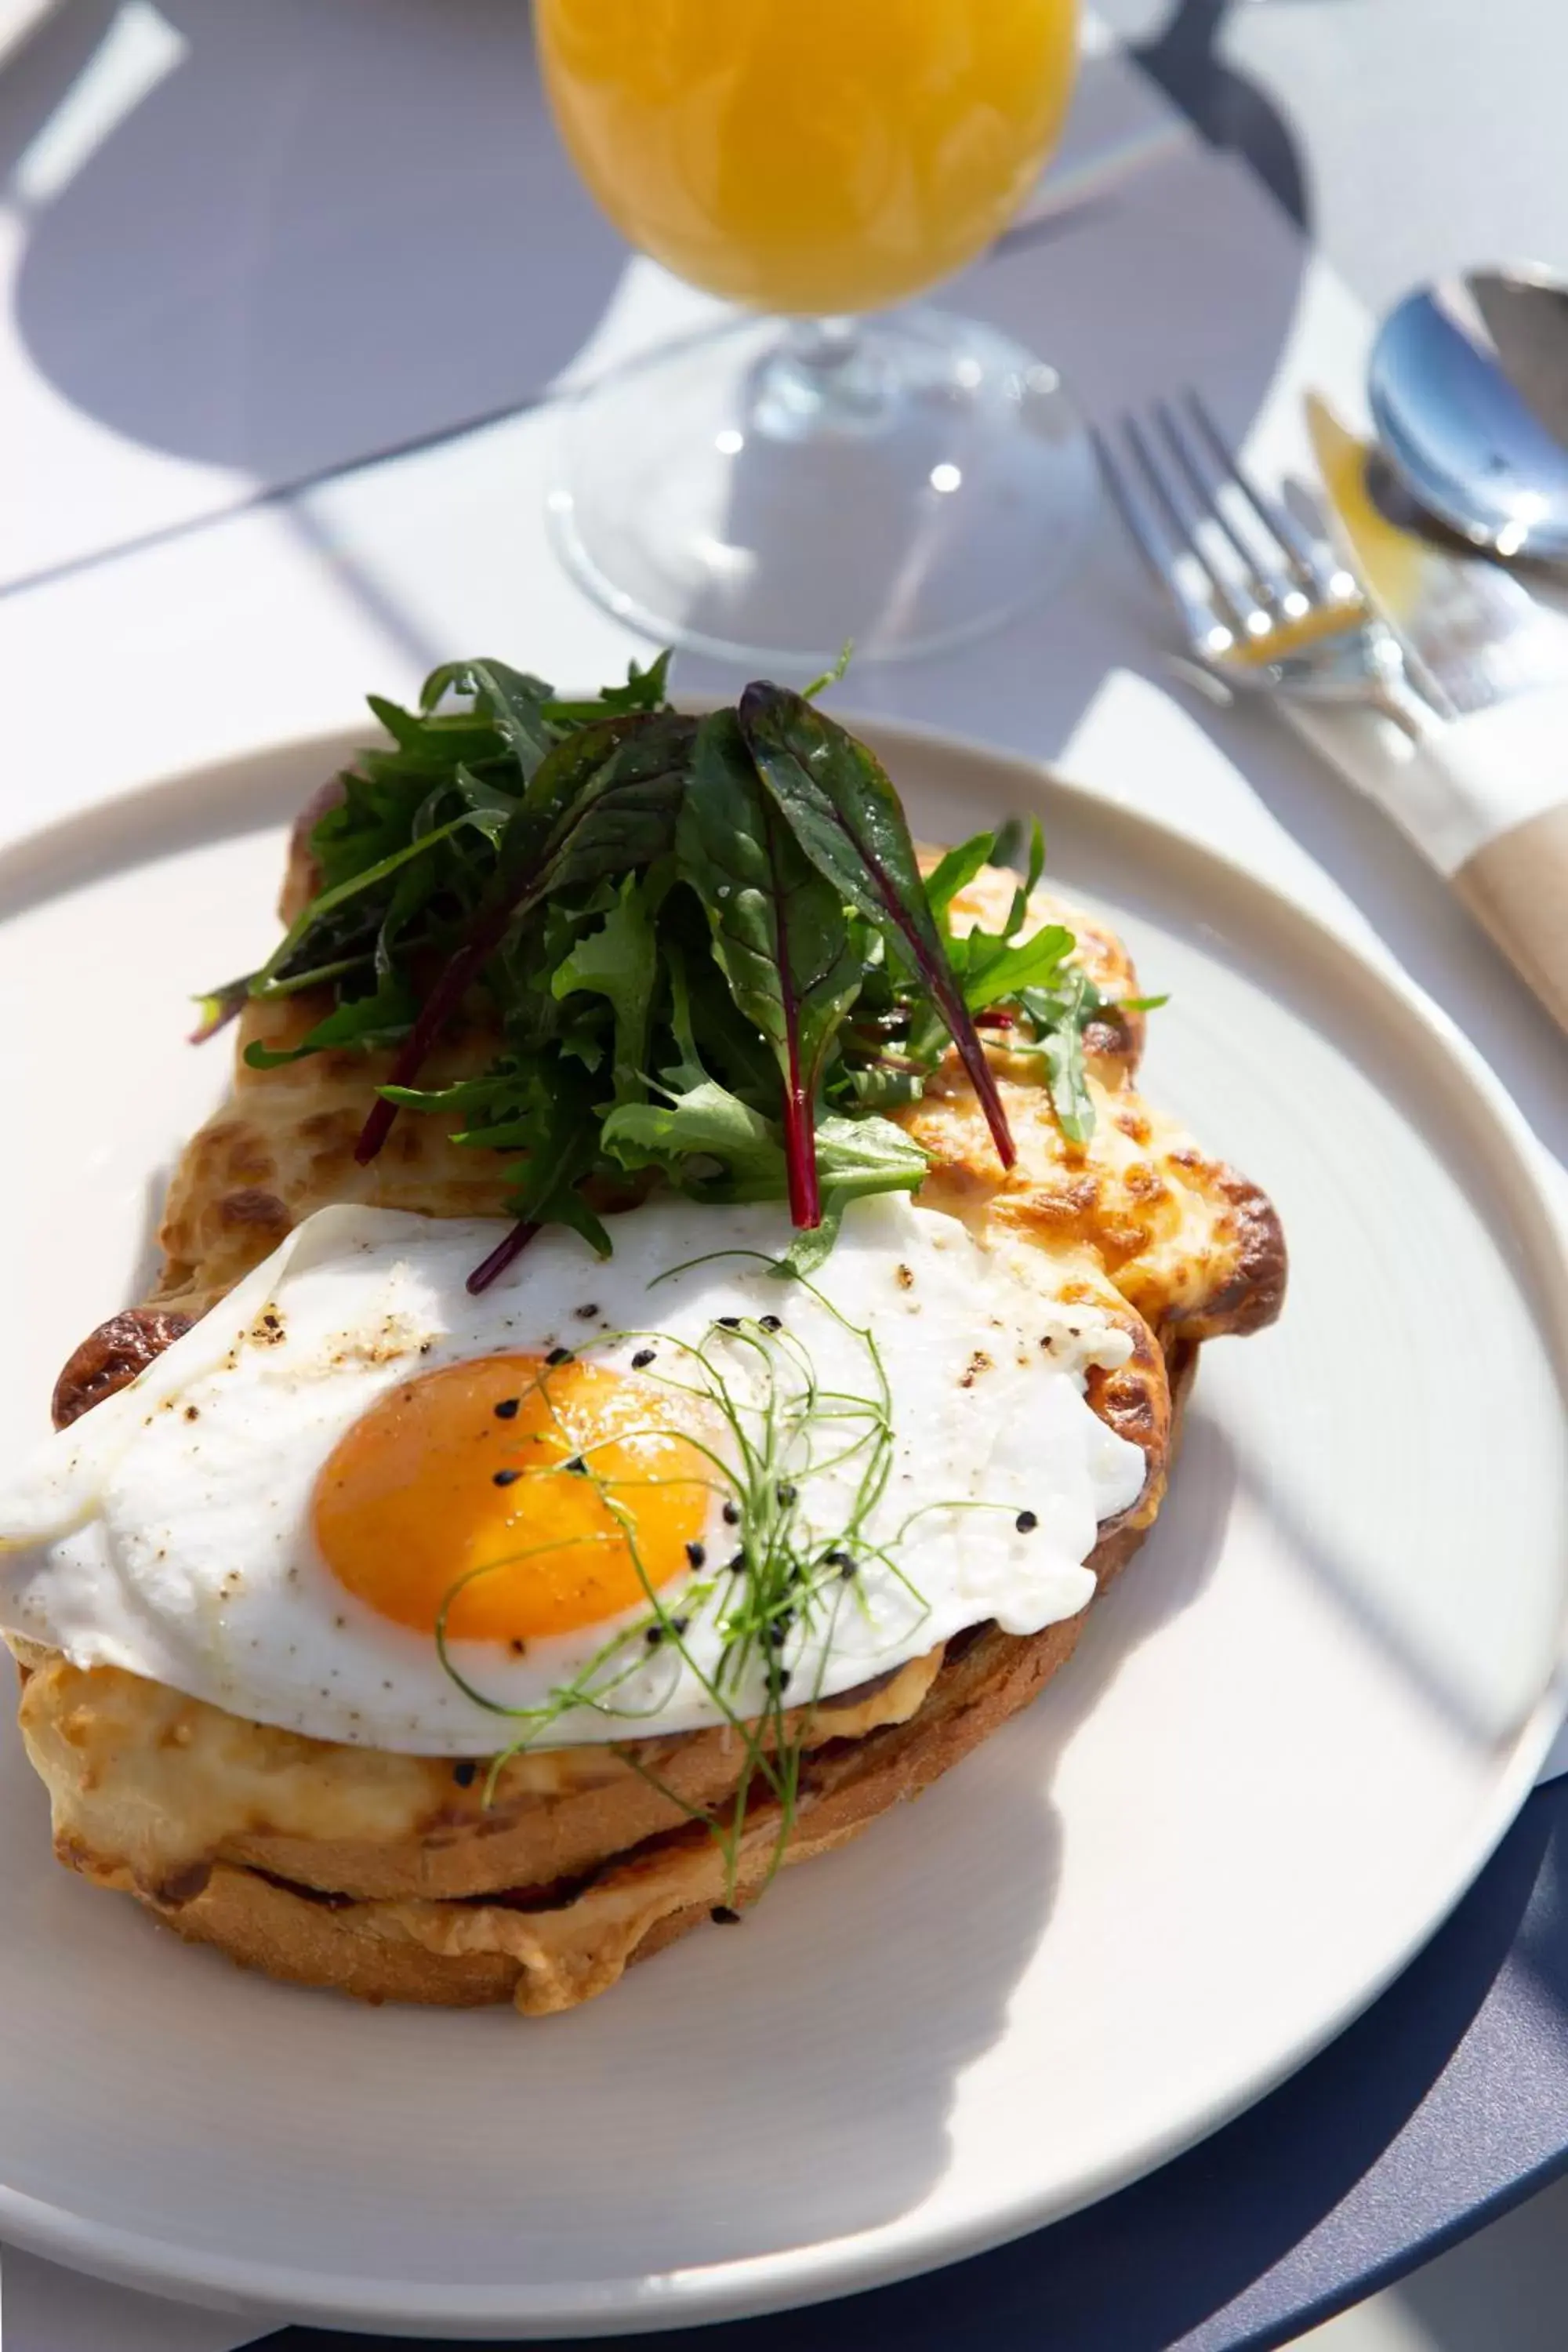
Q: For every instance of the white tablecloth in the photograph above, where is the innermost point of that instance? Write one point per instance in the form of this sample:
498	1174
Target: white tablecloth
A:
271	621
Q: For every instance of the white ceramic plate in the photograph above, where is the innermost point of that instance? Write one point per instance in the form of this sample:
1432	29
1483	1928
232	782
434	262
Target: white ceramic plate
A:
1291	1737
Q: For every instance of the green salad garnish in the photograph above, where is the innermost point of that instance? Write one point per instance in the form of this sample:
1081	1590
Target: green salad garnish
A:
705	945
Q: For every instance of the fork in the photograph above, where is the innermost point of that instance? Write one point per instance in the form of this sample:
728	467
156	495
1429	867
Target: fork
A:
1266	609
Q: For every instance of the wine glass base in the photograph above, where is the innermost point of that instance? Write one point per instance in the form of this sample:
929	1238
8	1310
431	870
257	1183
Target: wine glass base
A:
772	488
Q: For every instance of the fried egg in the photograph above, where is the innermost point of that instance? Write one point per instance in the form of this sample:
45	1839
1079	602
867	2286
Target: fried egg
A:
601	1500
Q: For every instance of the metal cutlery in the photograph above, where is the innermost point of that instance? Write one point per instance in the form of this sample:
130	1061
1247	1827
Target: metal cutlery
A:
1435	683
1468	390
1266	609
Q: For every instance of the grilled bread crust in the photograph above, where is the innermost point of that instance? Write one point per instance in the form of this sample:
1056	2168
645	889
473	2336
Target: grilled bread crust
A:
397	1877
549	1946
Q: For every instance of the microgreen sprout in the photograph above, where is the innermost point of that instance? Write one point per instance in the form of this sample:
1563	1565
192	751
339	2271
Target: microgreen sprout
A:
779	1432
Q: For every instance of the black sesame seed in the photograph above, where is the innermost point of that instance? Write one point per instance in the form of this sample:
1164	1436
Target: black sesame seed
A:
778	1634
772	1323
654	1636
588	1312
787	1493
643	1356
678	1624
738	1562
506	1409
559	1356
464	1774
518	1646
847	1569
728	1322
731	1515
696	1553
1027	1521
723	1917
577	1466
838	1559
505	1477
784	1678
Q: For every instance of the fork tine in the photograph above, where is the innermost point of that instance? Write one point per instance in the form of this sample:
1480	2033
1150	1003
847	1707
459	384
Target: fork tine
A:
1326	580
1160	550
1274	587
1185	527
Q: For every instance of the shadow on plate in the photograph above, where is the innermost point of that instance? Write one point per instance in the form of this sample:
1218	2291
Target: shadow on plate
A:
1319	2193
823	2038
826	2036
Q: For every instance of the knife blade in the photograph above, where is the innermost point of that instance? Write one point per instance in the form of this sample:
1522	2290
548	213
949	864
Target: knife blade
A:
1476	635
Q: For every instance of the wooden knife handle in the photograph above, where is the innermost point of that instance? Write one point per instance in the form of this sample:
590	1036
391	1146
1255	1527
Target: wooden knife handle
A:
1517	885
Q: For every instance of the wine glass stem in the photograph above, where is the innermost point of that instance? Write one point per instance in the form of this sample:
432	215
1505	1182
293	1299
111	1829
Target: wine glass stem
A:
819	381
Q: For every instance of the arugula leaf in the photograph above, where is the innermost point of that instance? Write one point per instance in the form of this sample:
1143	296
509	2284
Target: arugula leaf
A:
368	1021
875	1086
618	961
706	1139
778	932
1059	1019
449	678
811	1249
711	1145
532	1105
867	1155
843	810
960	866
623	814
517	704
563	1151
1073	1103
274	971
402	726
994	969
645	689
492	809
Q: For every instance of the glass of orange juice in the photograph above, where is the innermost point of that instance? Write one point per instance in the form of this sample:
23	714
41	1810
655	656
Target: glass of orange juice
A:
825	464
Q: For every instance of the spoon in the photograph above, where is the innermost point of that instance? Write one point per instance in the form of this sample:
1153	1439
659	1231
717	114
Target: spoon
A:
1468	389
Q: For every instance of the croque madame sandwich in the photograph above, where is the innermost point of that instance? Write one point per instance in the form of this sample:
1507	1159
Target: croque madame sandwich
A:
681	1311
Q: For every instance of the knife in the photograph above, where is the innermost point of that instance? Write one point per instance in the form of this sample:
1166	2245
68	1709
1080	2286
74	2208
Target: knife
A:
1483	788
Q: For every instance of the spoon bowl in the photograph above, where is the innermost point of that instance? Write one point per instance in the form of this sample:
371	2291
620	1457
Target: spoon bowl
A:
1469	388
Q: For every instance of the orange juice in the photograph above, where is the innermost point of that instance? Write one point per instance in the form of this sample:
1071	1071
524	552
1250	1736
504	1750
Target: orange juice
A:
823	156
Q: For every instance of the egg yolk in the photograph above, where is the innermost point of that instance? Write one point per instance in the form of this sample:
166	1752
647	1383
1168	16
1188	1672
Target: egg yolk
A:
529	1498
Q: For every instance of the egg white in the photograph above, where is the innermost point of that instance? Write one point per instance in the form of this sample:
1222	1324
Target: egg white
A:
168	1531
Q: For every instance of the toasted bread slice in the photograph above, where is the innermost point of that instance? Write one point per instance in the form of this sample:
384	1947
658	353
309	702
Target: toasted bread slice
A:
548	1947
391	1877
